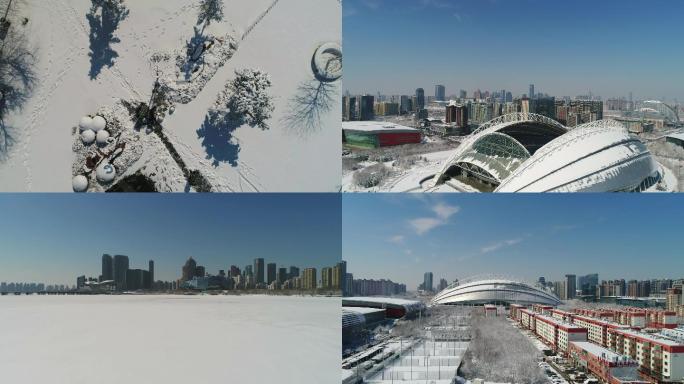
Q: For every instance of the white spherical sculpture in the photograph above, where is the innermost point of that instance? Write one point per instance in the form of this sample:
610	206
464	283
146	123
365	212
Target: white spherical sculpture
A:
88	136
99	123
102	137
85	123
105	172
79	183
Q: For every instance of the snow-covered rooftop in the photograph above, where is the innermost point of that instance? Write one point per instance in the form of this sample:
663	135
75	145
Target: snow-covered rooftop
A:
597	350
362	310
382	300
678	136
376	127
659	339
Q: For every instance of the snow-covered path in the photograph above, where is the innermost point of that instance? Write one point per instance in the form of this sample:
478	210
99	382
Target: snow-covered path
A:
169	339
281	43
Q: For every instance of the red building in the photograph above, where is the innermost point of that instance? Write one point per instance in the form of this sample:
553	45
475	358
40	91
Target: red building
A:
607	365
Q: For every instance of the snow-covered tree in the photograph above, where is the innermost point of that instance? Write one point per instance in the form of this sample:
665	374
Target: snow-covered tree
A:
245	99
210	10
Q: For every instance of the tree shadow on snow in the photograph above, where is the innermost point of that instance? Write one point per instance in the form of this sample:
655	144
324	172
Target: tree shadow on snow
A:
312	101
17	81
104	21
7	140
218	141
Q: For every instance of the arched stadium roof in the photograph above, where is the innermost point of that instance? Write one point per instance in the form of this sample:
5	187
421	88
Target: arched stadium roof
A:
500	145
600	156
495	291
524	152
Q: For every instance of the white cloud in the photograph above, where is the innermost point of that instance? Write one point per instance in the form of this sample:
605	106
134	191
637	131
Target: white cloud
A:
442	212
500	245
445	211
425	224
397	239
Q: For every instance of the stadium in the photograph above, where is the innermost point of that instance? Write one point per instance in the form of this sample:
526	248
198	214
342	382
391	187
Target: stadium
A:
495	291
525	152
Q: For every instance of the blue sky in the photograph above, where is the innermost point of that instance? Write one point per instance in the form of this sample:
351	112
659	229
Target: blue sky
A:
401	236
52	238
565	48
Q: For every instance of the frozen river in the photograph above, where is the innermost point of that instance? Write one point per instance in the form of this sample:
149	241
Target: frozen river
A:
169	339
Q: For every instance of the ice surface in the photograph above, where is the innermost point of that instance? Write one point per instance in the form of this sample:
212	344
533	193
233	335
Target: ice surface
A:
169	339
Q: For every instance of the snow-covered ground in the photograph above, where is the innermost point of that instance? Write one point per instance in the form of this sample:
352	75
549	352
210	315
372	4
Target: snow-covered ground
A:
275	36
169	339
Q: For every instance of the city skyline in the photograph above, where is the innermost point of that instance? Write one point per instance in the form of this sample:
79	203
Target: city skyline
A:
490	45
400	237
75	230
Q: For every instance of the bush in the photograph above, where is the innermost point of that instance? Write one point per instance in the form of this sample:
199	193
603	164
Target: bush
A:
407	161
371	176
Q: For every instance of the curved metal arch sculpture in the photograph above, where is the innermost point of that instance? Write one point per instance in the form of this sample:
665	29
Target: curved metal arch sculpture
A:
493	126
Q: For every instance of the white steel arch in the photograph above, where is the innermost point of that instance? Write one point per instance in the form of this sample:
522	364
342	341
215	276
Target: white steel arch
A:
494	126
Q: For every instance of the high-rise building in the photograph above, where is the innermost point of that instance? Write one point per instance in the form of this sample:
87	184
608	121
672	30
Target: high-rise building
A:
462	94
258	271
440	92
420	100
282	275
80	282
353	108
405	105
151	271
200	271
326	278
587	283
457	114
673	298
270	273
107	267
120	270
531	95
309	279
189	269
234	271
339	271
545	106
570	286
135	279
367	108
427	281
294	272
442	284
366	287
345	108
559	287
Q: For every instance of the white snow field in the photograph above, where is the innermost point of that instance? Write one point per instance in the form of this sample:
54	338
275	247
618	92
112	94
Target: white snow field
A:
277	37
169	339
